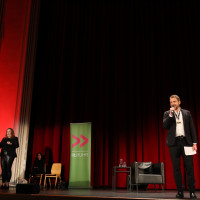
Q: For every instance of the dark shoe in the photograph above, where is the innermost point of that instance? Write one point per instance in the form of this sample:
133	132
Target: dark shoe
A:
193	195
2	187
180	195
6	187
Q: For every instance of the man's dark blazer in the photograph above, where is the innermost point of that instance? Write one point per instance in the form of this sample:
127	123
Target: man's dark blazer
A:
169	123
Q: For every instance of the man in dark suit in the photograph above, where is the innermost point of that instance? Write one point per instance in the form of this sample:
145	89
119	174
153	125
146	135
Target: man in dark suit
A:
181	132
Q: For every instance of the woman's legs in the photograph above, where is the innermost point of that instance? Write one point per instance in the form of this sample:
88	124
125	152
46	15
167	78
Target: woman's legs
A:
6	165
3	167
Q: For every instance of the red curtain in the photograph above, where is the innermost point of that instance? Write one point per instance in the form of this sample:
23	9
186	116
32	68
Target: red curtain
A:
115	64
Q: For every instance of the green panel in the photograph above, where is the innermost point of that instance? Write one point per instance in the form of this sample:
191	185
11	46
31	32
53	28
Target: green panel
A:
80	155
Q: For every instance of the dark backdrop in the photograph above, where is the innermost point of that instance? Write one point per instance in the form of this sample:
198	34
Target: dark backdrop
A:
115	64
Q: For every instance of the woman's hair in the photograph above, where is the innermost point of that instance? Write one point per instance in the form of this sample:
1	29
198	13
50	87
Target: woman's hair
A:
38	154
12	132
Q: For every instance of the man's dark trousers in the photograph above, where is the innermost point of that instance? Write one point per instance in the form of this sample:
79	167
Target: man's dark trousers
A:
176	151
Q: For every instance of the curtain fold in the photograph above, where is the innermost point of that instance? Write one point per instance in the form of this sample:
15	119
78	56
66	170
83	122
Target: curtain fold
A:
2	19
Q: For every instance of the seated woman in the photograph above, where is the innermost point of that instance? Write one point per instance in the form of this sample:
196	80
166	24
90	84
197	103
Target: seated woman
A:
38	166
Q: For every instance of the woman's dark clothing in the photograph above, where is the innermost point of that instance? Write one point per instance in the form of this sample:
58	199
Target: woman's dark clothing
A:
6	164
10	149
38	167
8	154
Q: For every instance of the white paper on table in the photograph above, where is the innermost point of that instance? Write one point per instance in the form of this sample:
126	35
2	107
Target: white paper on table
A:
189	151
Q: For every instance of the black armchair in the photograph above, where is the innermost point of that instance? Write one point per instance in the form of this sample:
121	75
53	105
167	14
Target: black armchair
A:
144	173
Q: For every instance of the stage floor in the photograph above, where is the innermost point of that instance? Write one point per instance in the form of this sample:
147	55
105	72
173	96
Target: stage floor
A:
52	194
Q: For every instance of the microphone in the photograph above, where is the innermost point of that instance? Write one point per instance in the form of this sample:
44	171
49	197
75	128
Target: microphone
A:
173	110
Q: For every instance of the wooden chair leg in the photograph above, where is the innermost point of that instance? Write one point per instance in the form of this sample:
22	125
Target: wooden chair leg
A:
56	181
44	181
40	180
50	182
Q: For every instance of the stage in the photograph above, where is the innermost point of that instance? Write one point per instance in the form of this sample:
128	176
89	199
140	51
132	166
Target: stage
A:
78	194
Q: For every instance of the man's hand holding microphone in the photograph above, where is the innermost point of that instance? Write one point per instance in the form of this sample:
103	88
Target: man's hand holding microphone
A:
172	110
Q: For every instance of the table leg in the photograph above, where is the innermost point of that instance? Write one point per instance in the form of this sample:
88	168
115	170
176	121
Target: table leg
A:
130	181
114	180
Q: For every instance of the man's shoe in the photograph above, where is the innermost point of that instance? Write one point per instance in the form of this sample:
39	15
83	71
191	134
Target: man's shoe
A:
193	195
180	195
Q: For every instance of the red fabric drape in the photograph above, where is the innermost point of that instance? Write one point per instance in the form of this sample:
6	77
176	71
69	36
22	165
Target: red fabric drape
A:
115	64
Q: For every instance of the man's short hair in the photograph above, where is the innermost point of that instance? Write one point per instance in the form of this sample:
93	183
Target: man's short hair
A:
175	96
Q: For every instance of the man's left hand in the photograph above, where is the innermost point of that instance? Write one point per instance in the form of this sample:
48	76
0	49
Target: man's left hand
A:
194	147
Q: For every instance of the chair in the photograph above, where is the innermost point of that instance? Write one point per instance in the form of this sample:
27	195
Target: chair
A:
39	176
144	173
55	173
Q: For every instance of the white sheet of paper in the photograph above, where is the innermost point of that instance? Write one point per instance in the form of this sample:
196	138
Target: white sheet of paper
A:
189	151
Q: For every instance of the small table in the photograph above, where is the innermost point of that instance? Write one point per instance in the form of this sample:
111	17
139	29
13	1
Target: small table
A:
116	170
